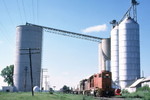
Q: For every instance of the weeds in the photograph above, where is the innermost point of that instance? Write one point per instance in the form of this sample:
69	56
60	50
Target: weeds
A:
142	93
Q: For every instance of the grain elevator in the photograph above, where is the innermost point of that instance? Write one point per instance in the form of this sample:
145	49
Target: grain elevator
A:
125	49
104	54
27	37
129	52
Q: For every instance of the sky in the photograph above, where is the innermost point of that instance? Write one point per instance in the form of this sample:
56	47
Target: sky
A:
67	59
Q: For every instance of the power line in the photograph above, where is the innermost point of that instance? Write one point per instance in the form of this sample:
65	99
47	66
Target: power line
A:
19	11
33	11
24	10
37	11
8	12
3	30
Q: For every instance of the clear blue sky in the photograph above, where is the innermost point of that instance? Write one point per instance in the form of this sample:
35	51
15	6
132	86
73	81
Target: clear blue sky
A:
68	60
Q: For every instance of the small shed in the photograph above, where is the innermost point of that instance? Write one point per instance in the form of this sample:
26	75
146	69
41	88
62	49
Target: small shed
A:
7	88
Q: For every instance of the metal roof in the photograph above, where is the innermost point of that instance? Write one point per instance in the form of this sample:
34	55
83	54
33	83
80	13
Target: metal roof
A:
139	81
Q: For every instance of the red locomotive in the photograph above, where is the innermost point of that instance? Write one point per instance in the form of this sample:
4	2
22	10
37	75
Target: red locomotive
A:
98	85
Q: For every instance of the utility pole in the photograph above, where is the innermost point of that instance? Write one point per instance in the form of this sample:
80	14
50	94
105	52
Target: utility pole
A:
30	59
25	77
42	71
46	83
142	73
54	88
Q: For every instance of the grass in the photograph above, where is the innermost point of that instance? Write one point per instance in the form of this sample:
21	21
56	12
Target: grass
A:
141	95
42	96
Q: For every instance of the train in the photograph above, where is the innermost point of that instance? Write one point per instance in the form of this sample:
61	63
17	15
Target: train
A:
98	85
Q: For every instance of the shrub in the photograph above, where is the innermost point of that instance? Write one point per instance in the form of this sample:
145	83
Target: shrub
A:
124	91
143	93
144	88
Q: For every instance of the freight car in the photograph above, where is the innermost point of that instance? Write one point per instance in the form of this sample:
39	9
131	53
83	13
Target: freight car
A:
98	85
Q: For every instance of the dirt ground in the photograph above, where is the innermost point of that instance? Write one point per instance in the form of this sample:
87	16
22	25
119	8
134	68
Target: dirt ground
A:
112	98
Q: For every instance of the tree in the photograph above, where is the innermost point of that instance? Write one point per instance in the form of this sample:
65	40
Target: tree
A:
7	74
65	89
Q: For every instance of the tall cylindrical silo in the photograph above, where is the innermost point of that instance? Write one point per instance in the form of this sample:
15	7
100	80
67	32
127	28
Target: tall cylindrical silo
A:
115	56
27	37
104	54
129	52
99	57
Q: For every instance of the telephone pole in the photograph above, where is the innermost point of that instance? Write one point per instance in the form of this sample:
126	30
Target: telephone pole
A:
30	59
46	82
42	71
25	77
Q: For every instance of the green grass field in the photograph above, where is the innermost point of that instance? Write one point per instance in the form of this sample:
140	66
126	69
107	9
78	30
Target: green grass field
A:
43	96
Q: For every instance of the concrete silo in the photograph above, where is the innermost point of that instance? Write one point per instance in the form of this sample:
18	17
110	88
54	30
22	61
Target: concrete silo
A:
115	56
104	55
129	52
27	37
